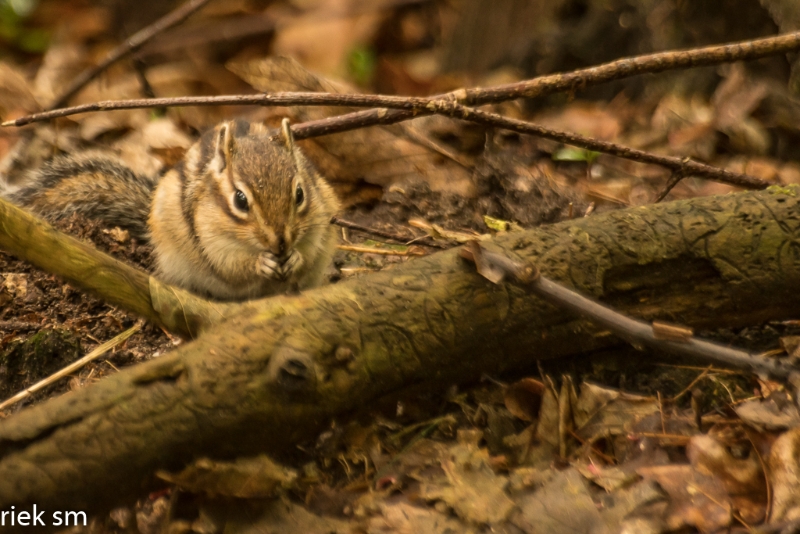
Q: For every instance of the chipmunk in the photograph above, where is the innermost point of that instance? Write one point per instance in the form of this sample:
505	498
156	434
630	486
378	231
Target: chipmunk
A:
241	216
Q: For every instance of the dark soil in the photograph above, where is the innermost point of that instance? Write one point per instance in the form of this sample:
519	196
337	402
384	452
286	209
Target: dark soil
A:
33	301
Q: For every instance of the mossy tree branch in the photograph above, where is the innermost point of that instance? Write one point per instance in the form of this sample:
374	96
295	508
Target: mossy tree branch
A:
275	372
35	241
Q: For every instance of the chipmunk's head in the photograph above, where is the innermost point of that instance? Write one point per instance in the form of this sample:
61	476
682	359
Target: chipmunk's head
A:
269	193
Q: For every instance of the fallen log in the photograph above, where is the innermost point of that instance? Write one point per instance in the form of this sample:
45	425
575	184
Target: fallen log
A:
262	381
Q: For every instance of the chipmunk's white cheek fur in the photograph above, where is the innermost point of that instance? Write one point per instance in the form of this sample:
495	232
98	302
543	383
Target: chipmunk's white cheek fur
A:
225	243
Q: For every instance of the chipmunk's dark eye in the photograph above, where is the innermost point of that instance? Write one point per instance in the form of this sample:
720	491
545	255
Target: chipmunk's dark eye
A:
299	195
240	200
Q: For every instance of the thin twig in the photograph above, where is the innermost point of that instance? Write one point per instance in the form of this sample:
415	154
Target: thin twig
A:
688	388
300	98
450	104
10	326
533	88
570	81
684	166
387	235
497	267
640	332
716	370
449	108
669	186
132	44
680	438
71	368
382	251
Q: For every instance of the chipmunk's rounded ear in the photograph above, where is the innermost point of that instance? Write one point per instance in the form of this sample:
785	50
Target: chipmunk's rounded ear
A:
287	135
223	147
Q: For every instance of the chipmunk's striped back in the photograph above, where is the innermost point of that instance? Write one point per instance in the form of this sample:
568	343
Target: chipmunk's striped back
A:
93	184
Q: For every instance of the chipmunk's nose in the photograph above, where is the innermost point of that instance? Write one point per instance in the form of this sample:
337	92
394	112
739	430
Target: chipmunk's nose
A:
281	246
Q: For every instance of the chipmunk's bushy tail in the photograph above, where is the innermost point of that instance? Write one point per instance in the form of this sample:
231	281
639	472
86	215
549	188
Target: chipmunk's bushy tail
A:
95	185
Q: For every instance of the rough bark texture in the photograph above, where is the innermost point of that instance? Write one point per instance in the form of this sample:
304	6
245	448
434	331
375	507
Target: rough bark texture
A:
263	380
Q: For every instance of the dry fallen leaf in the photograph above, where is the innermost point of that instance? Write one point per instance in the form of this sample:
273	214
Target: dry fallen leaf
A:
62	62
156	145
406	518
257	476
469	485
738	467
734	101
605	412
717	484
16	284
118	234
776	412
784	469
562	505
234	515
327	33
584	118
696	500
523	398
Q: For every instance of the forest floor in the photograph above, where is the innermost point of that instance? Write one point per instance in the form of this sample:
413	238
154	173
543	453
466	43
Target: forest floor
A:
601	443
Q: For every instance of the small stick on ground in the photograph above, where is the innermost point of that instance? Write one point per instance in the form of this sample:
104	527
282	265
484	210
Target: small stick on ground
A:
71	368
132	44
387	235
382	251
10	326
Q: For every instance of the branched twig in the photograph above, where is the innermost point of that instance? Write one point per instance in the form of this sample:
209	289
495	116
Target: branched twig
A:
417	106
131	45
453	104
536	87
408	107
571	81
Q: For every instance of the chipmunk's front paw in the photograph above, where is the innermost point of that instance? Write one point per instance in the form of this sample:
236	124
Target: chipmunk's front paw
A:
269	267
274	268
292	264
